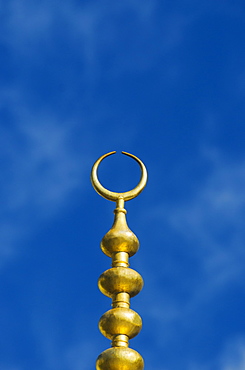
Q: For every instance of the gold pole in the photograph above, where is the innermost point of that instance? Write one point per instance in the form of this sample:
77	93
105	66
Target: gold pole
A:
120	282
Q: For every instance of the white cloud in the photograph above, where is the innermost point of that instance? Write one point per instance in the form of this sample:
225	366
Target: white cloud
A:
233	357
212	219
127	32
210	222
40	170
81	355
56	351
129	35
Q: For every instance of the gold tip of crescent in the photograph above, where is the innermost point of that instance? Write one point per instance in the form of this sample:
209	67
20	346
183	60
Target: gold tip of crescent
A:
110	153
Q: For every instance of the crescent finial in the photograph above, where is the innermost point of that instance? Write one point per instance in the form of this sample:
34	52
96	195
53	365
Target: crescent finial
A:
111	195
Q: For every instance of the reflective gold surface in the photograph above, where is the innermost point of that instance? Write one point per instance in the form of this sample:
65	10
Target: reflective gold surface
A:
120	321
119	358
119	238
120	282
120	279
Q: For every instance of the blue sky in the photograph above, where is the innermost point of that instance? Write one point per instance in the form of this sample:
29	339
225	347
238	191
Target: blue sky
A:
162	80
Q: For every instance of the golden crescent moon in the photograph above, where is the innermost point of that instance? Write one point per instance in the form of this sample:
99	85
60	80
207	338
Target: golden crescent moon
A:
111	195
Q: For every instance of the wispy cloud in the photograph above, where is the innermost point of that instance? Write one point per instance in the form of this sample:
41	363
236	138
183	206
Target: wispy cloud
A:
209	224
213	219
125	34
57	352
40	169
233	357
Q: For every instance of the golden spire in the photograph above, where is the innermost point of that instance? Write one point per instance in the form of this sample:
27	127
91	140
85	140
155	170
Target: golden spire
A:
120	282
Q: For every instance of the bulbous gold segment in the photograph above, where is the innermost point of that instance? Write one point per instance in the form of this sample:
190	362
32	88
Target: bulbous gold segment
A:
120	321
119	358
119	238
120	279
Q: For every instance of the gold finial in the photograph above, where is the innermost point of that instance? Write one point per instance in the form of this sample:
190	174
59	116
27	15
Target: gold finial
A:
120	282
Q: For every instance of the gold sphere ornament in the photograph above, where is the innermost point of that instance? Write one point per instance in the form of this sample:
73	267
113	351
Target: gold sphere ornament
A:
120	238
120	324
120	321
120	279
119	358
